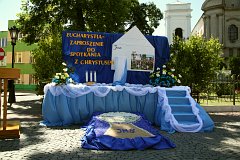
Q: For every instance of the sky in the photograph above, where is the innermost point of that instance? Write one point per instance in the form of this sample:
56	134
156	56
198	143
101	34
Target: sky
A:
9	9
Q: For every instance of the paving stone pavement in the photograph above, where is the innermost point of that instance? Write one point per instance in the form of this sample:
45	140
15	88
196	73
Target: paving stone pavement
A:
42	143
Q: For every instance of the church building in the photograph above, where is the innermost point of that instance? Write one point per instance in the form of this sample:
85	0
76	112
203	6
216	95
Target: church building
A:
221	19
178	20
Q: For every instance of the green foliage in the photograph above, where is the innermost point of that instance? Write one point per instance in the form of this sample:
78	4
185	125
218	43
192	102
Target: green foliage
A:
222	84
234	65
48	59
196	59
38	17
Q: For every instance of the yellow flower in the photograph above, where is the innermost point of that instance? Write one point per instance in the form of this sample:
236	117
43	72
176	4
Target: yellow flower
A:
66	75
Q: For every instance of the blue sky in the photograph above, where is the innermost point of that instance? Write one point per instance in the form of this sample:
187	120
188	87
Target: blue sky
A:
9	9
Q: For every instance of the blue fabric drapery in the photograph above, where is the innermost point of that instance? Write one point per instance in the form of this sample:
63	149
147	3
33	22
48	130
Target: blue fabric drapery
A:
104	72
93	139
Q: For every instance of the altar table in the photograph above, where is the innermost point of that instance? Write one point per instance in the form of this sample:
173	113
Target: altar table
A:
75	104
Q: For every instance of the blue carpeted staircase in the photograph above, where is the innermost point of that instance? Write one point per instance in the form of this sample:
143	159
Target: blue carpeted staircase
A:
181	107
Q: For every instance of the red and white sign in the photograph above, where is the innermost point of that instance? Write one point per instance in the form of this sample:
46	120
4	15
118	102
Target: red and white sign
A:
2	54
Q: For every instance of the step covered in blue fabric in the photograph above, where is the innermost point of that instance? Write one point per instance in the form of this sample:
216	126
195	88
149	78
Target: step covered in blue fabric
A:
181	108
178	101
174	93
183	116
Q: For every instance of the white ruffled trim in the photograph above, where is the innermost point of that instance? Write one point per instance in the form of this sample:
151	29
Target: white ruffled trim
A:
100	90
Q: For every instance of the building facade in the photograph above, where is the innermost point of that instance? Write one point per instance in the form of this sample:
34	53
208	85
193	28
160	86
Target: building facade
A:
221	19
22	57
178	20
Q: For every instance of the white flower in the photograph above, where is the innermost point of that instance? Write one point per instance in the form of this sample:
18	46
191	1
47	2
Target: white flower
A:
158	68
164	72
179	75
158	75
64	64
172	69
172	75
70	80
56	77
65	69
119	117
164	66
178	81
58	74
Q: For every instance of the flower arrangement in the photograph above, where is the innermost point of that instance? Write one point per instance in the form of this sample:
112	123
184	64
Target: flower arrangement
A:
119	117
63	77
165	78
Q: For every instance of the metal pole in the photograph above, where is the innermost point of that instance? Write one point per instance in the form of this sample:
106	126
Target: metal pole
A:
13	58
11	97
234	96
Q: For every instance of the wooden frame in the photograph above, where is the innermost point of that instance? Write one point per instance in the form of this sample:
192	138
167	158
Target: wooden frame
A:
8	128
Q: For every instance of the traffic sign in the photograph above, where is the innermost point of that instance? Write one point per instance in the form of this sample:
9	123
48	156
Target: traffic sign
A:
2	54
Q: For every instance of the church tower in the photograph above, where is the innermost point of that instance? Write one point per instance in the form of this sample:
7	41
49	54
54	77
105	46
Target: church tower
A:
178	20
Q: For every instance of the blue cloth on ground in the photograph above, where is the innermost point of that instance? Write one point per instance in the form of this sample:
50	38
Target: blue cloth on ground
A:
94	137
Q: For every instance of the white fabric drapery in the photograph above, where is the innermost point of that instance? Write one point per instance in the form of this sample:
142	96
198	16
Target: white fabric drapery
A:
100	90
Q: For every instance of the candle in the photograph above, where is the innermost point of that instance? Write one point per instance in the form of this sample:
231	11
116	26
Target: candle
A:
95	76
86	74
90	76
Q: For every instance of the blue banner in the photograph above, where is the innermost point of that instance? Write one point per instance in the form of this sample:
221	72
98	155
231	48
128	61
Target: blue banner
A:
91	52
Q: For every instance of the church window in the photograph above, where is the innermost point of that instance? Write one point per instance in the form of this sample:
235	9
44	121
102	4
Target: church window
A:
179	32
232	33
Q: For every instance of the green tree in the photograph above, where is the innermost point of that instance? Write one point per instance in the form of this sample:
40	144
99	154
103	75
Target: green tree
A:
48	59
196	59
86	15
42	21
234	65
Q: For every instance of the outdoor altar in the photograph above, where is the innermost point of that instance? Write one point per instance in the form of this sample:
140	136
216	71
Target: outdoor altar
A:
115	73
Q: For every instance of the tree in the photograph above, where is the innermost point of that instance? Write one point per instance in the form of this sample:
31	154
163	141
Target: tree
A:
86	15
48	59
196	59
43	21
234	65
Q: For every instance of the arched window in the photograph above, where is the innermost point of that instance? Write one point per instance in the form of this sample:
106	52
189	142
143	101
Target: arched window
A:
179	32
232	33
